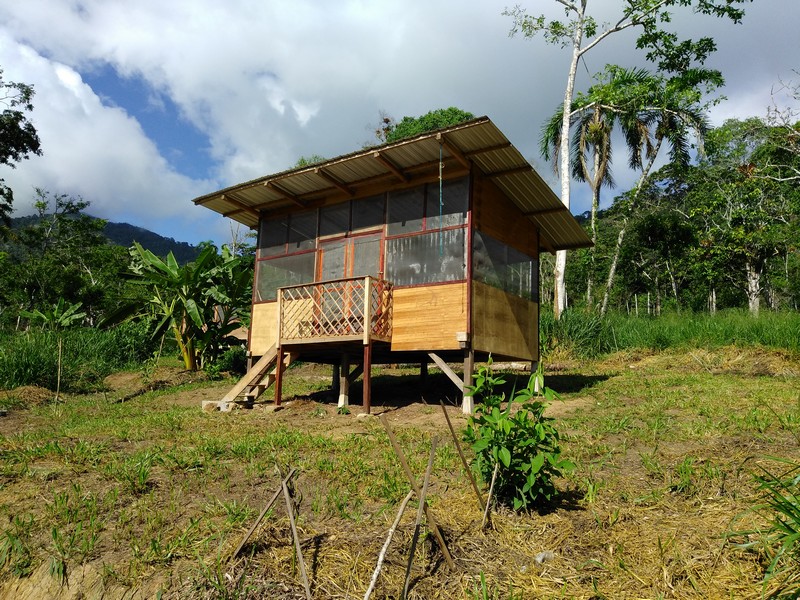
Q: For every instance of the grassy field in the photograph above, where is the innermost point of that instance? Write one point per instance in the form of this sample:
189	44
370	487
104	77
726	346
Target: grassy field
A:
149	497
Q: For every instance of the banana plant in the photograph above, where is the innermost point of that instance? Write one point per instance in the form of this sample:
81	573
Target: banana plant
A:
199	303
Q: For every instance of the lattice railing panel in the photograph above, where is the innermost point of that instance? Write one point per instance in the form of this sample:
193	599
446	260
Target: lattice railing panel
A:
335	309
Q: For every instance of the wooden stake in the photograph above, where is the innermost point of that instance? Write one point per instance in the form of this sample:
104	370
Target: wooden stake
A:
418	522
290	511
261	516
58	380
382	555
428	513
489	499
463	459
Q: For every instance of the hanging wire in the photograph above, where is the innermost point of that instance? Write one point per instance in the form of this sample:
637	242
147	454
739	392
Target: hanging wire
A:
441	202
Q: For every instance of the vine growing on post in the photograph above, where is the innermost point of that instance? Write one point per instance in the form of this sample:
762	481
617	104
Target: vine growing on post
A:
522	443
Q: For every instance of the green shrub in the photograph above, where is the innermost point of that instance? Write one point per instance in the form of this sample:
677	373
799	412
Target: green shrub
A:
523	445
232	360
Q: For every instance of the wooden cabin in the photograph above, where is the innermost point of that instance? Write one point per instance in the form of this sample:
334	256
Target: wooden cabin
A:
421	250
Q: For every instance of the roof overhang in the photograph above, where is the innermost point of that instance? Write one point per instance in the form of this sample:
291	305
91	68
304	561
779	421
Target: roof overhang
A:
477	143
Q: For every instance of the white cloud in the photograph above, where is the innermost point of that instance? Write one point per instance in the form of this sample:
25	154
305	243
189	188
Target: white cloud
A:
270	81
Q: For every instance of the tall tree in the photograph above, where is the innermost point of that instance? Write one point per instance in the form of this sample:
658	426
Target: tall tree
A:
743	198
580	32
18	138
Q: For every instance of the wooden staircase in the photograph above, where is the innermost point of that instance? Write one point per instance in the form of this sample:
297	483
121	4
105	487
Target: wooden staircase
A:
260	376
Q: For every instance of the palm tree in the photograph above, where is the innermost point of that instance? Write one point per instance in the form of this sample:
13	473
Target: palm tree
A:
671	112
593	117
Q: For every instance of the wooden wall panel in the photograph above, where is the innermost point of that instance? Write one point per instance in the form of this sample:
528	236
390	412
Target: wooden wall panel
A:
264	328
497	216
504	324
428	318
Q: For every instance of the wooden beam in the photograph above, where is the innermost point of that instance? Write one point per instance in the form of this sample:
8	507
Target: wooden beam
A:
391	166
501	146
511	171
545	211
333	181
453	150
270	185
240	206
447	370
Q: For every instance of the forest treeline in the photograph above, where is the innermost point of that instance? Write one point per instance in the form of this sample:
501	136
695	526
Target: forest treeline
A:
722	231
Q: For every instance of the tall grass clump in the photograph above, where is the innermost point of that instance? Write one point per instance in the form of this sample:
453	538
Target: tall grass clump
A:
692	330
88	356
576	332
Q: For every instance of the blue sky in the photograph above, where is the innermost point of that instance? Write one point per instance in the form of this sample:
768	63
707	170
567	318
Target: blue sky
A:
182	144
143	106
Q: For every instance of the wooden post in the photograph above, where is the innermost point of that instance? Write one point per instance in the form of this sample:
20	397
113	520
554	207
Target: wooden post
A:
468	405
423	373
279	376
367	377
367	307
335	379
344	381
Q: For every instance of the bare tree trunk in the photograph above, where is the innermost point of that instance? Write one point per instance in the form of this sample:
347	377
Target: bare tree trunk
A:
753	288
674	286
560	300
712	301
612	271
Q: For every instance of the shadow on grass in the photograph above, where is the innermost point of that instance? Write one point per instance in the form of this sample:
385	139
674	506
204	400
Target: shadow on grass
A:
398	390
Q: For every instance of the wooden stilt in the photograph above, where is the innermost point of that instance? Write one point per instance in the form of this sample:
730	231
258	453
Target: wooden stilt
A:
279	377
335	380
468	405
423	373
344	381
367	377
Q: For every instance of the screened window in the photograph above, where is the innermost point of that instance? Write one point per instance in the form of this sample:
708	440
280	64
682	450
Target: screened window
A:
497	264
273	236
428	258
449	208
406	211
302	231
334	219
368	212
280	272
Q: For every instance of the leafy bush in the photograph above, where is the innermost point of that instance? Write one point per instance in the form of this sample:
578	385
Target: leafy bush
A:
232	360
523	445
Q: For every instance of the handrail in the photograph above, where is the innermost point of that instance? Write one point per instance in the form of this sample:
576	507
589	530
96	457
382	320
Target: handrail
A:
353	308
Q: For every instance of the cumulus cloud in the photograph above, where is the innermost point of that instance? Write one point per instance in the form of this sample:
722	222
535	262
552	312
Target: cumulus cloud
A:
268	82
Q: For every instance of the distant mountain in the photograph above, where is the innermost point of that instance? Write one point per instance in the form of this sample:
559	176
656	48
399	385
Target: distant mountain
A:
124	234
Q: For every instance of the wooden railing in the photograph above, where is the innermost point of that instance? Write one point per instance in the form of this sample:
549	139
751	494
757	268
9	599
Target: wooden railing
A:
342	309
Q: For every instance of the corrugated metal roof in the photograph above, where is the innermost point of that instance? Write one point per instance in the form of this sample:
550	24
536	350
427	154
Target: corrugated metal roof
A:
478	142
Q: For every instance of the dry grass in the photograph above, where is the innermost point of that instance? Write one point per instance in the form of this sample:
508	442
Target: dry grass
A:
665	446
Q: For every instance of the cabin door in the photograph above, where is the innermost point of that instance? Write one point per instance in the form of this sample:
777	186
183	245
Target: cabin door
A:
347	258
